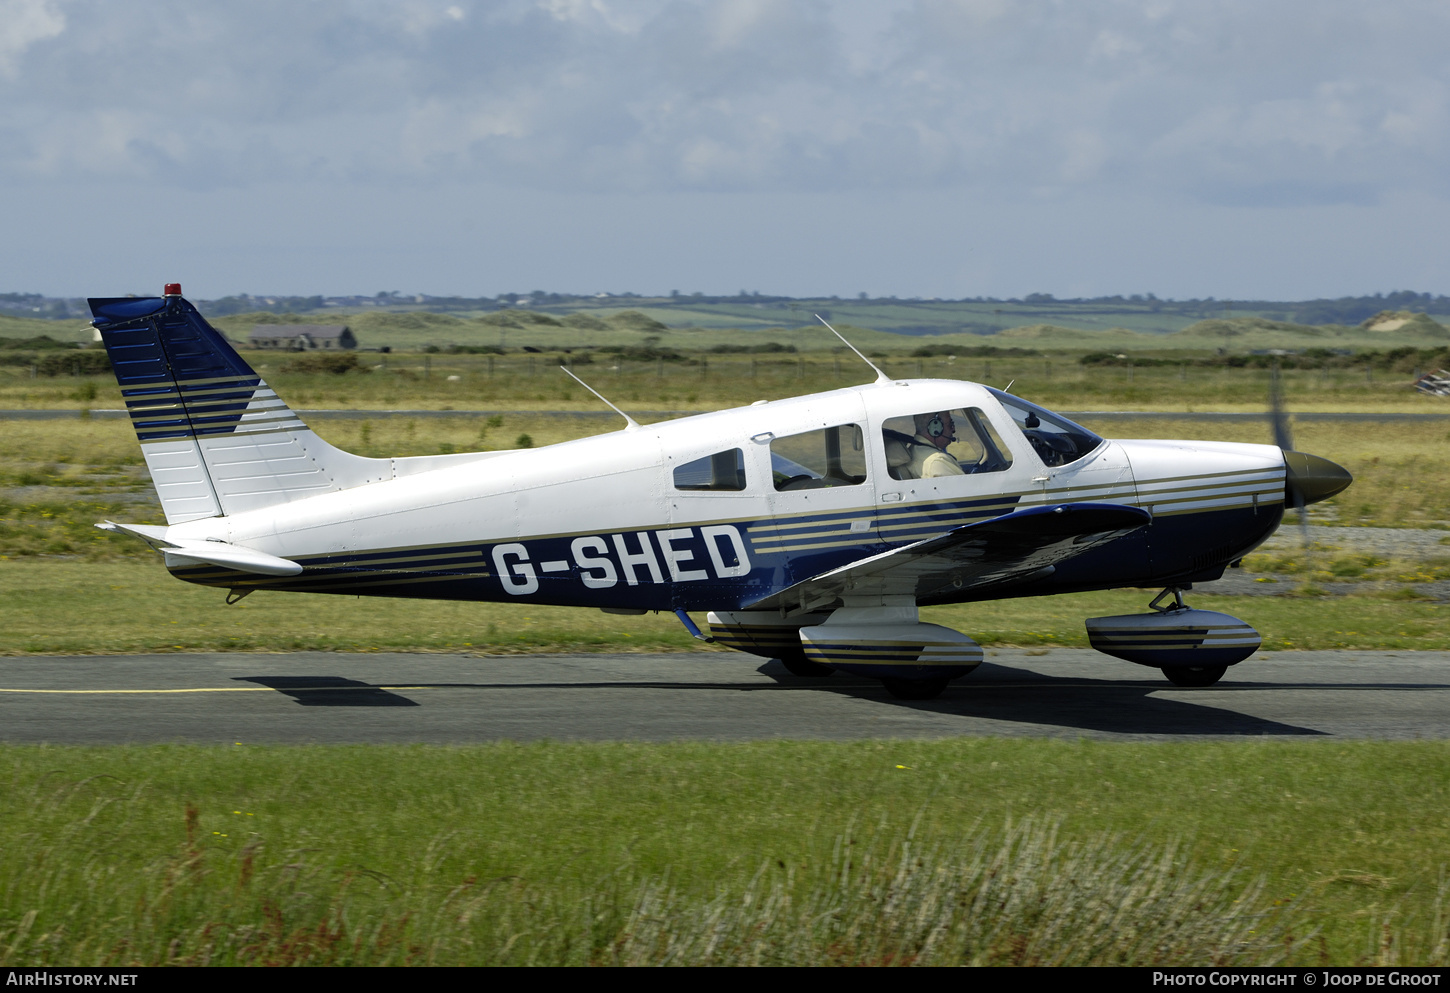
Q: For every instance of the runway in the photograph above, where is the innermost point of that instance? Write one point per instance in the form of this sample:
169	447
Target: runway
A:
443	699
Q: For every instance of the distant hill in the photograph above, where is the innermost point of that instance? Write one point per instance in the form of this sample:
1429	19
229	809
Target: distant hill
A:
1406	322
518	319
1051	334
1386	330
35	327
1217	332
873	326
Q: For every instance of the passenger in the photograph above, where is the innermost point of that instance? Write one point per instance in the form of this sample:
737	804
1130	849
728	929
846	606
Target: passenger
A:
934	432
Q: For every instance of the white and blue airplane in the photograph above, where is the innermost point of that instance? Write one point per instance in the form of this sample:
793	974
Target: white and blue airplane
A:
810	529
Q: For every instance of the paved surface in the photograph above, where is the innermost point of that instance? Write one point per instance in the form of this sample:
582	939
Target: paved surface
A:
324	697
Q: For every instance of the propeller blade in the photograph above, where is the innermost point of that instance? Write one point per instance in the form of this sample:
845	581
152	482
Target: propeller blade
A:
1279	421
1303	522
1278	418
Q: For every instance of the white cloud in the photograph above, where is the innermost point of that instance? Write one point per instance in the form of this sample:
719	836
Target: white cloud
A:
1189	99
22	24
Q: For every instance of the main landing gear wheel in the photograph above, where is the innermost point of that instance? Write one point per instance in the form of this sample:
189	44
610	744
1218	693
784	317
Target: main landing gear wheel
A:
915	689
799	665
1194	675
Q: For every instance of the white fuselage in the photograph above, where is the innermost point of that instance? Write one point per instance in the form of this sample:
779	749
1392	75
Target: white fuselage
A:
562	512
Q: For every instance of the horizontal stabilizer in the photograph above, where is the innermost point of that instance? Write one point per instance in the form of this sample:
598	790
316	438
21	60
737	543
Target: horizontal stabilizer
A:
1014	548
153	534
192	552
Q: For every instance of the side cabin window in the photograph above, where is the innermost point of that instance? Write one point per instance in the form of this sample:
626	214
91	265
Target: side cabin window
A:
721	471
1055	439
814	460
943	443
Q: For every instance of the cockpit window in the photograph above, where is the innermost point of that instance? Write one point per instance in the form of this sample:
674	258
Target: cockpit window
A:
721	471
815	460
943	443
1055	439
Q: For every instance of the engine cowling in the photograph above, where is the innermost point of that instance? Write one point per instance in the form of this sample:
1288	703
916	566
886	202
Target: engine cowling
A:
1179	636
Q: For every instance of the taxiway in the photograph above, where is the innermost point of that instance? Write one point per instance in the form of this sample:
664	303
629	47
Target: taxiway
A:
444	699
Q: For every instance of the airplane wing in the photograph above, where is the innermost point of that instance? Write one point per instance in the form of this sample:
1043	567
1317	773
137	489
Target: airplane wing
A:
1013	548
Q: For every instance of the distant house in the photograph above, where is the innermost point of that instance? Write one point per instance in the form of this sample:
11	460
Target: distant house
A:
302	337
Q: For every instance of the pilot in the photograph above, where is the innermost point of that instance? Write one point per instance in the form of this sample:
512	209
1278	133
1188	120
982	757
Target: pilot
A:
934	432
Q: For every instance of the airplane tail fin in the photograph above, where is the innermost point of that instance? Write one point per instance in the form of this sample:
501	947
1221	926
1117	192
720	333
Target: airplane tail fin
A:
216	439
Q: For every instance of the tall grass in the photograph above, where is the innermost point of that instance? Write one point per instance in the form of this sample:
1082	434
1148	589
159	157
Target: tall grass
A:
1019	896
874	852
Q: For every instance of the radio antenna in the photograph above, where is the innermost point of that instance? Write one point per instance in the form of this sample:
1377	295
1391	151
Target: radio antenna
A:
881	377
630	423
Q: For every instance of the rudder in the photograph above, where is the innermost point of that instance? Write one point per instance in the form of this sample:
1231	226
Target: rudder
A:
217	440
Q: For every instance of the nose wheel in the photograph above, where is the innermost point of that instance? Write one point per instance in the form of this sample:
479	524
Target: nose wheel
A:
1194	675
1191	676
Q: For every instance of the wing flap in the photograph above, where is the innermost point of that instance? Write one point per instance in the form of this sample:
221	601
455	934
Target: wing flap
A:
1010	549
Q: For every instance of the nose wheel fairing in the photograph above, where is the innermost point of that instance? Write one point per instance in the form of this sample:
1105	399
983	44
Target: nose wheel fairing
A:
1179	637
1175	637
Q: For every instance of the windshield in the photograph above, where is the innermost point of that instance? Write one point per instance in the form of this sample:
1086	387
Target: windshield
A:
1055	439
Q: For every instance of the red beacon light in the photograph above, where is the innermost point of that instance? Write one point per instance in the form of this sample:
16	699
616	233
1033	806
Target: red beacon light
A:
172	290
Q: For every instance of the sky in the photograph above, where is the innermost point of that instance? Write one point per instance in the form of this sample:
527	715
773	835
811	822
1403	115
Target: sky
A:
1241	149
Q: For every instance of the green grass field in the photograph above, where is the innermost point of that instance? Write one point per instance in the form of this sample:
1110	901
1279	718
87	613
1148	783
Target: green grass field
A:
967	851
518	381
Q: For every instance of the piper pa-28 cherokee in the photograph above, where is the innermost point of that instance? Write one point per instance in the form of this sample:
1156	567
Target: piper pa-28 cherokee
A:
811	529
